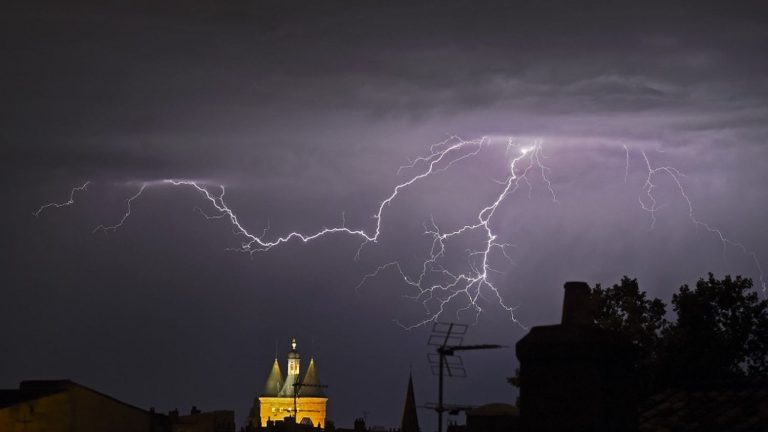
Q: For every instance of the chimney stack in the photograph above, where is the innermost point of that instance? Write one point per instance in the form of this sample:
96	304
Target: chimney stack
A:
577	305
575	376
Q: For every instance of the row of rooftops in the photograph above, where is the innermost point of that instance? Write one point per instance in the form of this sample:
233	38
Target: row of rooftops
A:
31	391
34	389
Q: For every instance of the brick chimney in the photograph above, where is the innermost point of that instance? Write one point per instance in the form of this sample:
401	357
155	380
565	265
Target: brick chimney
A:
577	304
575	376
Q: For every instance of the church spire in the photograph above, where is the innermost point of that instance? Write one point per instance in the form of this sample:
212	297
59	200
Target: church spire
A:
410	421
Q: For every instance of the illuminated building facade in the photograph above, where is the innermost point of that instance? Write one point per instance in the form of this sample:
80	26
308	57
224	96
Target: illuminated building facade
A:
280	395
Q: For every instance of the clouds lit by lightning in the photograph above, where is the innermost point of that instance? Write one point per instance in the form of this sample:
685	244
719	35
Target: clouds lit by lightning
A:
439	284
626	163
649	203
466	287
69	202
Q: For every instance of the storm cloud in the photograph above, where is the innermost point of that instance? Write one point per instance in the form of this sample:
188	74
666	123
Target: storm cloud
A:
306	111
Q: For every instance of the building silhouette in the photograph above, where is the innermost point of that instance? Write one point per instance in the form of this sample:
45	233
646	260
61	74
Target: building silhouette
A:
63	405
575	376
492	417
410	420
300	399
408	423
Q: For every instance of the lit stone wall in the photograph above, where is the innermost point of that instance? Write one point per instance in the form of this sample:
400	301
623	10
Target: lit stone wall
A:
277	408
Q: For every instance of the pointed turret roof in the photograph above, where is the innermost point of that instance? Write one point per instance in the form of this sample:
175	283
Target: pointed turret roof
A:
310	385
288	386
274	381
410	421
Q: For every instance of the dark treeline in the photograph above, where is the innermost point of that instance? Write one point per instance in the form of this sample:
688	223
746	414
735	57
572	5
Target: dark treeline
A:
718	332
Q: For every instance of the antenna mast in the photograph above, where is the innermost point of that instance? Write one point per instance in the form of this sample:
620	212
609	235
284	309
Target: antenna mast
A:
448	338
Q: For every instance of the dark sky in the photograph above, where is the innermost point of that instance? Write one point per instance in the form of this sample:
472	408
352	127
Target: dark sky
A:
305	111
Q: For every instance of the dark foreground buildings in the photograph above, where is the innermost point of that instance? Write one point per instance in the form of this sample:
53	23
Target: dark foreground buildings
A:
65	406
574	376
577	377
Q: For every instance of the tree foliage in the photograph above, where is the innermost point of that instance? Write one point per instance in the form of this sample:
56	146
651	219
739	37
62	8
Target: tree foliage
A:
626	310
720	331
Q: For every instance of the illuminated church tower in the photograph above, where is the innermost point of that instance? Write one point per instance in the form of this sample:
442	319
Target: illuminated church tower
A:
292	377
279	397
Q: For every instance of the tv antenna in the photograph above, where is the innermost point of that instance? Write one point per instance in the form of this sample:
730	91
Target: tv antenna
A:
448	338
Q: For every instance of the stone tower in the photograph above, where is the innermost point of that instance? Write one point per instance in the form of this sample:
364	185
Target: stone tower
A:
292	371
277	400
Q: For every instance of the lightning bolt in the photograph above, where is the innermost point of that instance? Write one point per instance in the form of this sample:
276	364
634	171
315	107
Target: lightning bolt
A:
649	203
437	284
626	163
69	202
467	285
128	202
442	157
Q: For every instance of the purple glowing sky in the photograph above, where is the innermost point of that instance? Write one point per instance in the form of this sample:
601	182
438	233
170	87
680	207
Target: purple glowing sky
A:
307	112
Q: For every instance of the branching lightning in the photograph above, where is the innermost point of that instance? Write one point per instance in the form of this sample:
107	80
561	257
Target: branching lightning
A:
649	203
437	284
69	202
467	285
128	202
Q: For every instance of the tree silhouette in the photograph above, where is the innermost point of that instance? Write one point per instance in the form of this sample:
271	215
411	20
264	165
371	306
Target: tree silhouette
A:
626	310
721	333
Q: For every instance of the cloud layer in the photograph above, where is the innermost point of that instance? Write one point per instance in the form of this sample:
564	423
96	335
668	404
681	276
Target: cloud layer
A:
306	111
